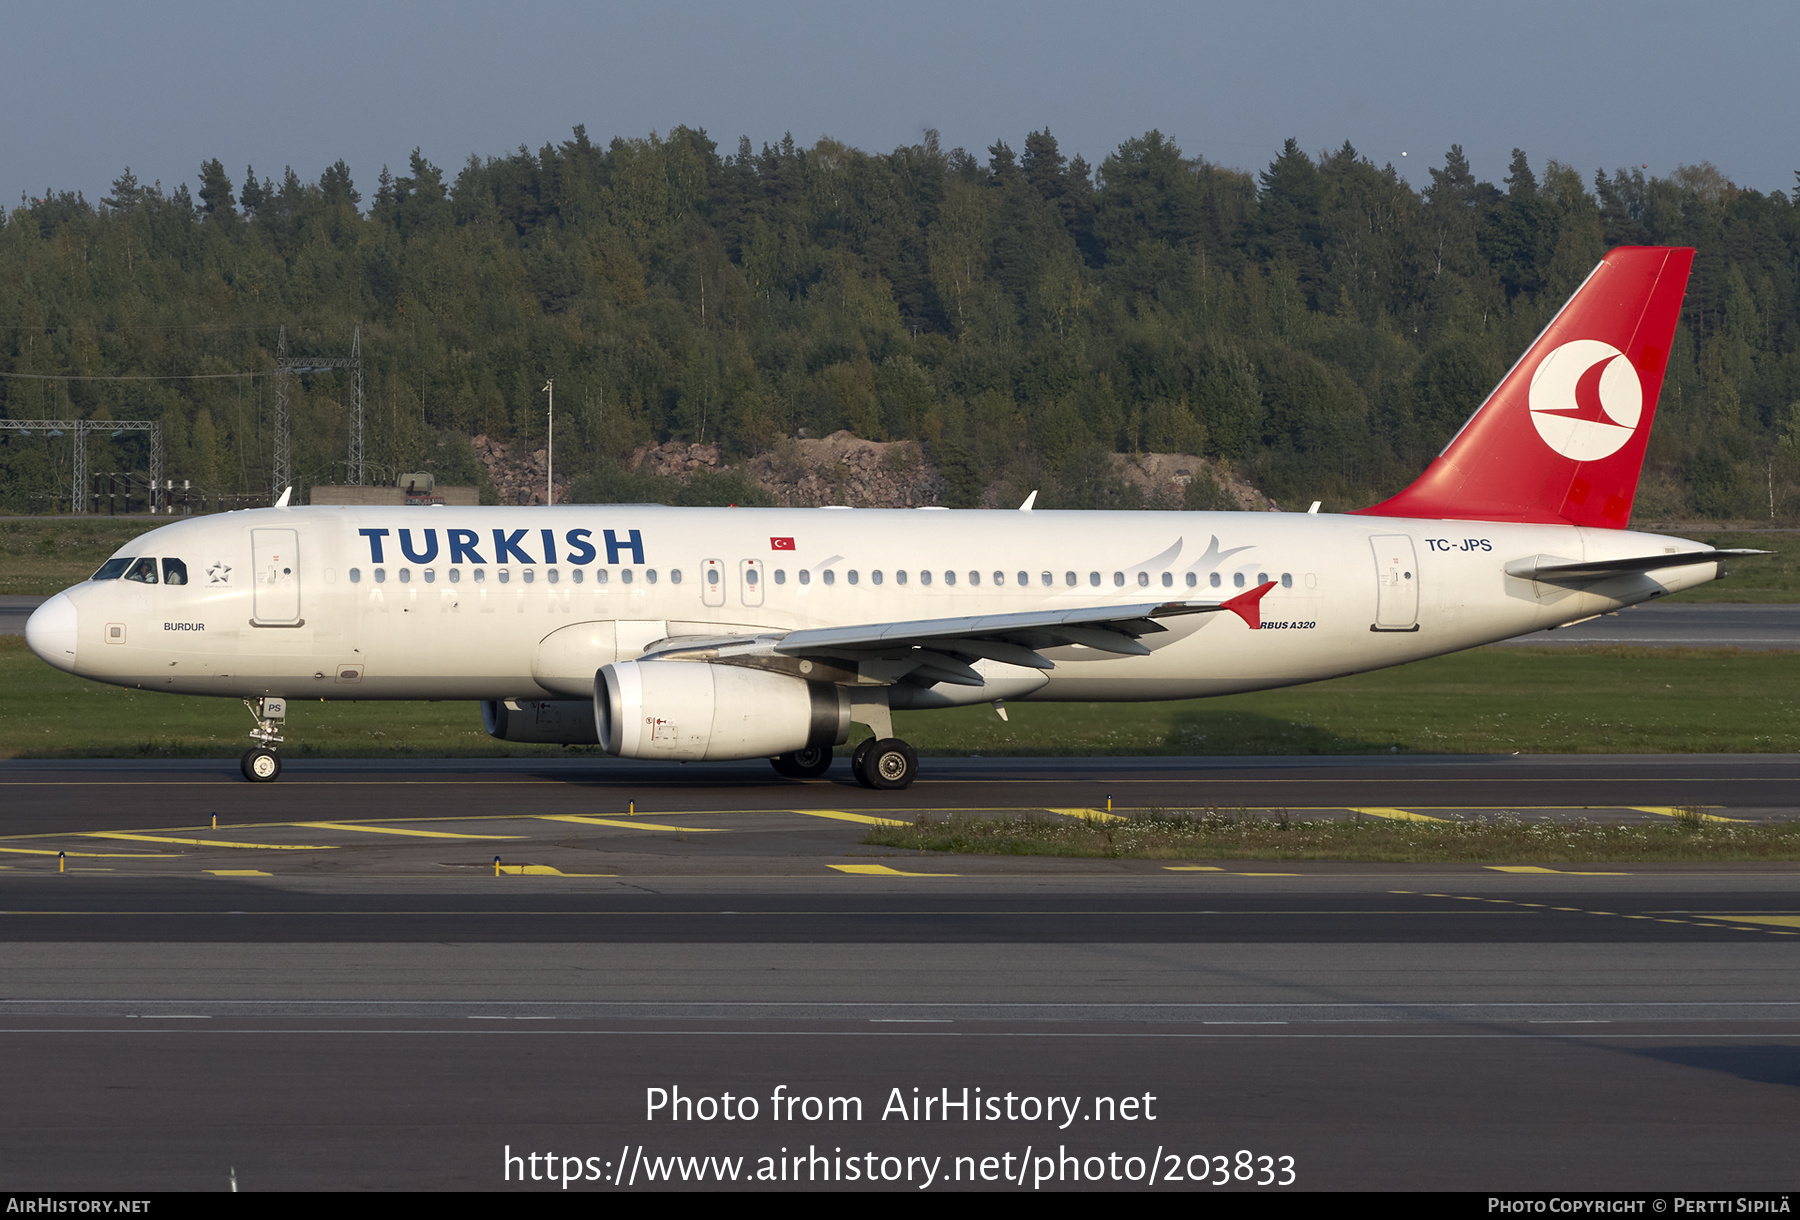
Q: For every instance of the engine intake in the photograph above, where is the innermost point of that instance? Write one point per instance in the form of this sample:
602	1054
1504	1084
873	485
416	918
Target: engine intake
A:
696	710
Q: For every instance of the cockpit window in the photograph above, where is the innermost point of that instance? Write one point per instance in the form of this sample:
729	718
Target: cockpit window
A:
112	569
174	572
142	569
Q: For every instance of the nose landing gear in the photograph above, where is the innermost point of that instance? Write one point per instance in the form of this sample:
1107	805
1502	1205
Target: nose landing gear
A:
261	763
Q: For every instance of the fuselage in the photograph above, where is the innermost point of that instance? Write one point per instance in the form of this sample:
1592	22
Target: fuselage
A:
522	603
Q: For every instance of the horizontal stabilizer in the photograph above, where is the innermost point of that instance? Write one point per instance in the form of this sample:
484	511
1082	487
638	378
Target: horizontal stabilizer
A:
1555	570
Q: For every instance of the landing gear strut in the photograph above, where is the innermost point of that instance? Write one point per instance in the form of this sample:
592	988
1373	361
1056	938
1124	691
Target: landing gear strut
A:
808	763
261	763
883	760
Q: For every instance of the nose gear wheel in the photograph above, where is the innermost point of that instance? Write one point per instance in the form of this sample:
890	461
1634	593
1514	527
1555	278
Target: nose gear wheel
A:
261	765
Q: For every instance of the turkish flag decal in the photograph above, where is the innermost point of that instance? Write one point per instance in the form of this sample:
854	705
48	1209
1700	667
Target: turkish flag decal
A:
781	544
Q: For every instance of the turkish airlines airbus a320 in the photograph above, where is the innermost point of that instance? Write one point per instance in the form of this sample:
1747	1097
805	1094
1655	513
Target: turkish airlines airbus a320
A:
694	633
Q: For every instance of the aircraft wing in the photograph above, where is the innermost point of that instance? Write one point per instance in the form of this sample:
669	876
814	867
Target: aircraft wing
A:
1556	571
942	647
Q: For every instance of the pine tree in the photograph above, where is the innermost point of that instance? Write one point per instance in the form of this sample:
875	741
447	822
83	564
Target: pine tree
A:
1521	183
215	192
336	187
126	193
254	195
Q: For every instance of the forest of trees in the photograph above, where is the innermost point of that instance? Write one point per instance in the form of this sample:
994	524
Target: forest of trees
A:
1320	326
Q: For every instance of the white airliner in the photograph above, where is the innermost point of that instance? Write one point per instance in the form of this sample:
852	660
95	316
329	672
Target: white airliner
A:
690	633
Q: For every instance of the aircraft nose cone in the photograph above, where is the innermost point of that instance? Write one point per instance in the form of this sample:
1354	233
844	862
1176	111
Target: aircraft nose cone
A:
51	632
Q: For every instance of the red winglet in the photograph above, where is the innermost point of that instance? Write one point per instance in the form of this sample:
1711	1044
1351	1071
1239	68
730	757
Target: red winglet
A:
1248	606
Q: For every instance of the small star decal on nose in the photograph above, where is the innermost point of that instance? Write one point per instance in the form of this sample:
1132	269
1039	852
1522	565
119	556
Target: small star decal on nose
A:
219	573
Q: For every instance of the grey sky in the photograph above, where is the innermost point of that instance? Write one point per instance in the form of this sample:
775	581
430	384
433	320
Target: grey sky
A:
86	89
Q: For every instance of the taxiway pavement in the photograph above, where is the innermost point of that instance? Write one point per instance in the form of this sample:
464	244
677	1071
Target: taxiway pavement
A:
332	988
1754	628
82	796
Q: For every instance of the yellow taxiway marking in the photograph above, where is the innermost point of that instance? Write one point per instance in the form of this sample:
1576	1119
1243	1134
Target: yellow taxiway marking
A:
1393	815
1700	920
137	838
390	830
864	818
94	855
236	872
1673	811
882	870
628	825
544	870
1091	815
1192	868
1532	868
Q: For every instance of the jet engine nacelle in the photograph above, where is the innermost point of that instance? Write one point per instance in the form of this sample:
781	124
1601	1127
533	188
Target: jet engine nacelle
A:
561	722
694	710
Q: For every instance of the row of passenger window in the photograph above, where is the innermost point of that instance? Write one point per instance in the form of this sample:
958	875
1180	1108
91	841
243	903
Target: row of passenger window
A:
829	576
527	575
1046	579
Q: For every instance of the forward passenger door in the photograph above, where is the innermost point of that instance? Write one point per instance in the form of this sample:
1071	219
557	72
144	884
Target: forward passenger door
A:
276	571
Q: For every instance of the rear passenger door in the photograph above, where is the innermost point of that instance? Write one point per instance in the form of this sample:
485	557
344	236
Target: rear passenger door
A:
1397	583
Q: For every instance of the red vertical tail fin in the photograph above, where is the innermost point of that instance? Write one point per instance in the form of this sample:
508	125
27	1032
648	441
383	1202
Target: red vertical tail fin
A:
1562	438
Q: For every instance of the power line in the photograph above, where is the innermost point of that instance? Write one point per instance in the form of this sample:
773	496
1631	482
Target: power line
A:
133	376
82	428
111	330
286	364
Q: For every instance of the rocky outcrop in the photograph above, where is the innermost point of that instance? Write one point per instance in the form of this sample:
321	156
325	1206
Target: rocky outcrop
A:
805	472
1164	478
518	479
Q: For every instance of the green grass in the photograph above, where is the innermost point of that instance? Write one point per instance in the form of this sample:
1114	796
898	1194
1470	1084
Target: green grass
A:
1490	700
1496	700
44	557
45	713
1754	578
1215	835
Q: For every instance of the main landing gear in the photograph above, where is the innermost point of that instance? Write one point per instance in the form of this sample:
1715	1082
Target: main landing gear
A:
809	763
885	763
261	763
880	761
